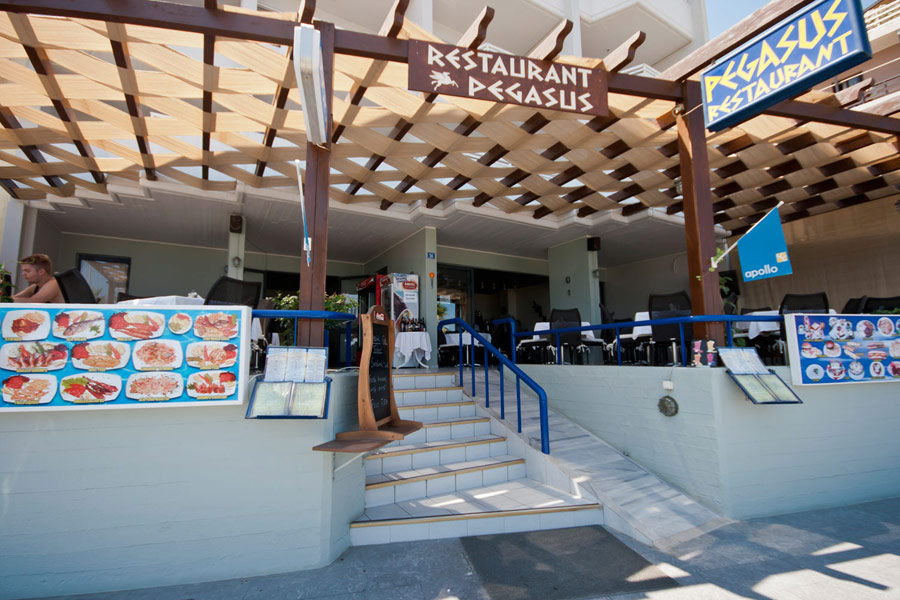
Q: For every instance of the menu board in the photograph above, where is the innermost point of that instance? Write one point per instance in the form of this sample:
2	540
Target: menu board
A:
760	385
294	384
830	349
380	372
93	356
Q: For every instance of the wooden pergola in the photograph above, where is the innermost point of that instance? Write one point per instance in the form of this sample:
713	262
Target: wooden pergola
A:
150	91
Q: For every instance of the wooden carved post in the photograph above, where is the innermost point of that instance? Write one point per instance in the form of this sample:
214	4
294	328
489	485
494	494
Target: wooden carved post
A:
698	213
318	169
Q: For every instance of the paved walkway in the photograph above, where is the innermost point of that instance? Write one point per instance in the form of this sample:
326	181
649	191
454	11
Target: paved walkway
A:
840	553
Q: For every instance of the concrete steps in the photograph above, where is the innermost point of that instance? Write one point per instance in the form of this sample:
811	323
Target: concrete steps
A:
454	477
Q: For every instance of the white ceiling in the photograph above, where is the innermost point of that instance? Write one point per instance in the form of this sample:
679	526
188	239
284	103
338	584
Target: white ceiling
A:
175	214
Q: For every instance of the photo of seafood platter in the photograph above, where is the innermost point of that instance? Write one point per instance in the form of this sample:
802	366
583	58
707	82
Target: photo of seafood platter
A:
22	325
832	349
30	357
91	357
79	325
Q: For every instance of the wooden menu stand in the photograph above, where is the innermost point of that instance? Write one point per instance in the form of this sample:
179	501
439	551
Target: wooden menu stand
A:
379	419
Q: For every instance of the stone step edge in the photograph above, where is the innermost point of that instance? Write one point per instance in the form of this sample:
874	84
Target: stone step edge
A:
451	388
450	473
389	451
456	421
425	374
433	404
480	515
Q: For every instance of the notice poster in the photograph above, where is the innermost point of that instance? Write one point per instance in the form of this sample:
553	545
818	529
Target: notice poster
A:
94	356
830	349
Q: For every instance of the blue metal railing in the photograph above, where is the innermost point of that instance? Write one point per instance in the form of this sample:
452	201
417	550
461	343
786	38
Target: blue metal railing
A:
490	350
296	315
618	326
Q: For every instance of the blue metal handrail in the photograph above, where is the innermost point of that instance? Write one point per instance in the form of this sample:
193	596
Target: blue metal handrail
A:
504	361
313	314
680	321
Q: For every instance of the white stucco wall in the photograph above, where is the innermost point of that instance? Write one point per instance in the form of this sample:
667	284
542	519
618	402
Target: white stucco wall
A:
839	447
120	499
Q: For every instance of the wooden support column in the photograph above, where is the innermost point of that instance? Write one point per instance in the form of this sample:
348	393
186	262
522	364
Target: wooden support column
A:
698	213
318	170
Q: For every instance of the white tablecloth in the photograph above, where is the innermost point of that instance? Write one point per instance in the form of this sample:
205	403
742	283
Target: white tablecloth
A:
453	338
164	301
411	345
754	328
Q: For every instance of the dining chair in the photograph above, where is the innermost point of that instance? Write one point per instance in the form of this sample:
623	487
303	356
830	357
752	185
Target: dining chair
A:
448	354
123	296
872	304
797	303
227	290
561	318
854	306
75	288
668	337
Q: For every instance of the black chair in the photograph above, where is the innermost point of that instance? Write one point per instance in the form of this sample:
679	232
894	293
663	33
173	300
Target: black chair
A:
75	288
561	318
804	303
123	296
448	354
872	305
854	306
666	337
227	290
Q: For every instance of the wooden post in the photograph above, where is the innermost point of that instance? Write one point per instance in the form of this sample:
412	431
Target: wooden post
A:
318	169
698	213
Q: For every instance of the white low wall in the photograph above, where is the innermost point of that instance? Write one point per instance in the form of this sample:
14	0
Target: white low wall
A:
121	499
840	446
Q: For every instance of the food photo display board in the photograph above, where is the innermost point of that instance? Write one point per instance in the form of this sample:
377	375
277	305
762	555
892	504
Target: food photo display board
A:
830	349
95	356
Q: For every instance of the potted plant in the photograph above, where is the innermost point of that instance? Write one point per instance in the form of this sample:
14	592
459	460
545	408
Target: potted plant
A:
6	285
333	303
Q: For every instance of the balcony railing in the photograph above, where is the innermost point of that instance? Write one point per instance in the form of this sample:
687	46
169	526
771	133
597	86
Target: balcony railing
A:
882	15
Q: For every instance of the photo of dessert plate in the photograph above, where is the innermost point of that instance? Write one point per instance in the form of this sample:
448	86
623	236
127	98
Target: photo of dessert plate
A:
895	349
894	368
832	349
815	372
807	350
876	370
885	326
856	370
836	370
865	329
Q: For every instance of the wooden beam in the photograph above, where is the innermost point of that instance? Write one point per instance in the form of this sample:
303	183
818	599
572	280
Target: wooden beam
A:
835	115
477	31
552	44
8	120
129	82
735	36
318	170
698	213
307	11
622	56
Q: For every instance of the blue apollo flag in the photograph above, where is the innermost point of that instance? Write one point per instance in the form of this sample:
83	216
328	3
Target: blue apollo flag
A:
763	251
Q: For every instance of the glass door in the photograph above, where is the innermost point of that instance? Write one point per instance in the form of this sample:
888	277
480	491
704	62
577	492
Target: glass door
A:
454	293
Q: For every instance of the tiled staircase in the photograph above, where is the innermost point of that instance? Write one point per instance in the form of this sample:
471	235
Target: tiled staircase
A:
454	477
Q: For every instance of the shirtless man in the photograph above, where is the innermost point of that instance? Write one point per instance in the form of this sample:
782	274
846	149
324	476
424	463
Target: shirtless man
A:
37	271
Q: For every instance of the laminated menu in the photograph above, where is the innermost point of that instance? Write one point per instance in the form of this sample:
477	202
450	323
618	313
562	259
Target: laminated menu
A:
58	357
293	385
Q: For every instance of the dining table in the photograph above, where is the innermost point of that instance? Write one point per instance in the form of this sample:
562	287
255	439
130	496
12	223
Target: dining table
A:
756	328
411	348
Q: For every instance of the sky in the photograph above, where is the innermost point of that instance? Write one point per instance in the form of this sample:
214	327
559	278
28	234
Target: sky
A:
722	14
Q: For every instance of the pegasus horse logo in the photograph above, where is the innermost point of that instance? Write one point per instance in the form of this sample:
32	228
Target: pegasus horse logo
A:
439	79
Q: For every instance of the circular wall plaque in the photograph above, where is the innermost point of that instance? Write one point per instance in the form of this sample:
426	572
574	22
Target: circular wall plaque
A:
668	406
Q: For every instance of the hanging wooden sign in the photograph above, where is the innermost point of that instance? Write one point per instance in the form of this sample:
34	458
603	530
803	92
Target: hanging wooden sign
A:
457	71
379	419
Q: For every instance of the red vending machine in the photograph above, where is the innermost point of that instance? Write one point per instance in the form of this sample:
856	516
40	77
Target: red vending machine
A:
370	291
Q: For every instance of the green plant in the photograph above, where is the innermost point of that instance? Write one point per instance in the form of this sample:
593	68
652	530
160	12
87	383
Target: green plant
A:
441	311
6	286
333	303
